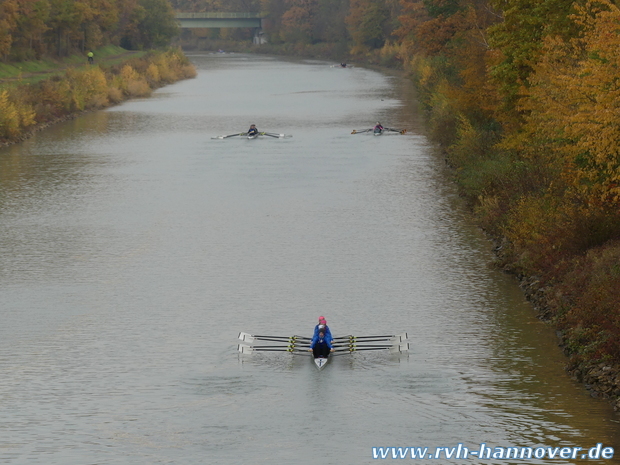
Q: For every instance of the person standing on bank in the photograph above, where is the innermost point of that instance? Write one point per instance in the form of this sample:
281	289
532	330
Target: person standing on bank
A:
91	57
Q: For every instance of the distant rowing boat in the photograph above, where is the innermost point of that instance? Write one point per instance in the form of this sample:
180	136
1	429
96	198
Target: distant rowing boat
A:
378	132
255	136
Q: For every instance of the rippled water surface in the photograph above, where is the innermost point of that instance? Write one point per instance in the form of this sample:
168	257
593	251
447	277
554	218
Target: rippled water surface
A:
135	248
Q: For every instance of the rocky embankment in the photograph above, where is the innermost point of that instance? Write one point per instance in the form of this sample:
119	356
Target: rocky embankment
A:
601	379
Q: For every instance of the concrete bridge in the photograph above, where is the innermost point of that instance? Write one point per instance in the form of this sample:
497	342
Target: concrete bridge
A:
219	20
212	20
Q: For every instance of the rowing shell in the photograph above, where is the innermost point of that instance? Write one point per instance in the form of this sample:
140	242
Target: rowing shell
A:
378	132
321	362
253	136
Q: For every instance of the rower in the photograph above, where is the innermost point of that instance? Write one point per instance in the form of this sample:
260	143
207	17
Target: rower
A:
344	65
253	131
320	346
323	326
378	127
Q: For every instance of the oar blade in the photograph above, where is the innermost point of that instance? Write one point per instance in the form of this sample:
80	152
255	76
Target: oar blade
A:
278	136
243	349
399	348
246	337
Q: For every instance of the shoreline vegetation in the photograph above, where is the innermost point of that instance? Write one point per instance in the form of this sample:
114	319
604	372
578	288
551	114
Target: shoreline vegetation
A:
563	254
36	95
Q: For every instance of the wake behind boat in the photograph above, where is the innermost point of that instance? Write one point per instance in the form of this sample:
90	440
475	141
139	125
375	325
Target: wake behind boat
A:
342	345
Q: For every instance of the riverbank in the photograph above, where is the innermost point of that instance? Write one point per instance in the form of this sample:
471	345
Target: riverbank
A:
45	97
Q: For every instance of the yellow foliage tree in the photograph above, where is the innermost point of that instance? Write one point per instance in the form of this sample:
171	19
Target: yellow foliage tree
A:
574	107
14	117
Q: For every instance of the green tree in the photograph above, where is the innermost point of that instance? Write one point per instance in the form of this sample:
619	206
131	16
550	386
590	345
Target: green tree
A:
150	24
368	22
9	14
518	40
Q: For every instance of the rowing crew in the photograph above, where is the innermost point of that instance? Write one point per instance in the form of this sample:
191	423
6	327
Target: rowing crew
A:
379	129
322	345
253	133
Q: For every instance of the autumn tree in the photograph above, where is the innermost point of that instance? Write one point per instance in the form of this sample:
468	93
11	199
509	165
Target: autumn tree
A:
518	40
369	23
151	23
574	106
299	20
9	16
330	23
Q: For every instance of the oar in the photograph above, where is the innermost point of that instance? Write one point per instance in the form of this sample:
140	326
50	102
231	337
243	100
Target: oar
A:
247	337
404	346
394	340
230	135
249	349
290	346
278	136
360	132
381	346
402	336
401	131
397	348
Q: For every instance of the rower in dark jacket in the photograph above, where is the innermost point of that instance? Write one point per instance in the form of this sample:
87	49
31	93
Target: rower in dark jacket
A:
253	131
321	346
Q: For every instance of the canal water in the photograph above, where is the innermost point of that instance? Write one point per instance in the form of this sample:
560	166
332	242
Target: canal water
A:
135	247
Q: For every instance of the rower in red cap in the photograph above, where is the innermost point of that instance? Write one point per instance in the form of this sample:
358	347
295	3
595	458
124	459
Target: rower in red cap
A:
322	326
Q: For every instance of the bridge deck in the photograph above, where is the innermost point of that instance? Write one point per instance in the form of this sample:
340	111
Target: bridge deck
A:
219	20
213	14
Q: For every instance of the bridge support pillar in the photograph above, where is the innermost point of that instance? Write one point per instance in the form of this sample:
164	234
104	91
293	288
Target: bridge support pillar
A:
259	36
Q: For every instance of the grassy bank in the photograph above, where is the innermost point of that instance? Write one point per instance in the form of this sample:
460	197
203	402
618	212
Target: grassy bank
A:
30	72
30	100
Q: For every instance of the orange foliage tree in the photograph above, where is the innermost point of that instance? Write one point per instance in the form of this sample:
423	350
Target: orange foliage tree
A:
574	106
298	21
